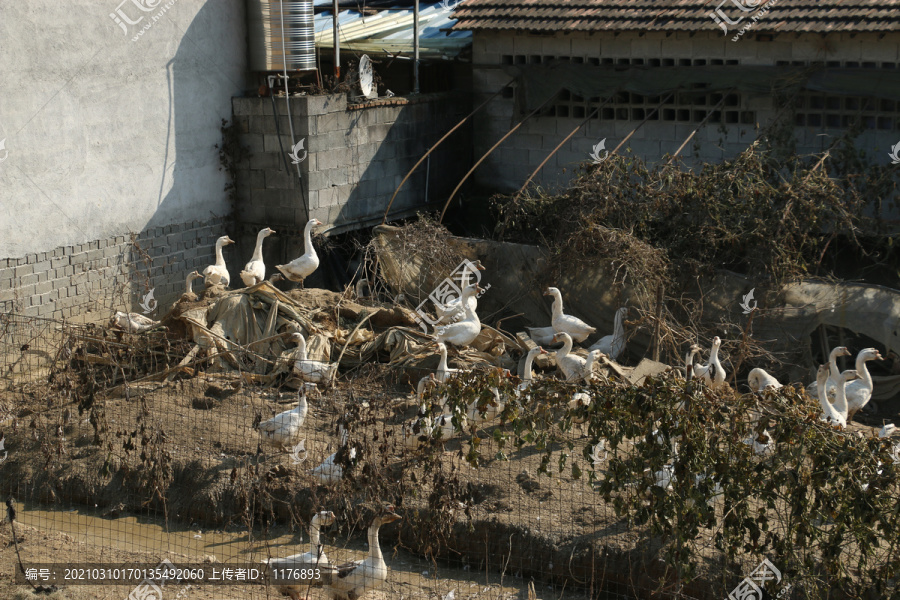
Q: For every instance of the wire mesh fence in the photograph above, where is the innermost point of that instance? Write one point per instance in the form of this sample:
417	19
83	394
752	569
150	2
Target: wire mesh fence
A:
505	487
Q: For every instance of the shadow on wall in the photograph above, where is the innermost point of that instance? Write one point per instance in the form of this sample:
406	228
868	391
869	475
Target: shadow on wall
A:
205	72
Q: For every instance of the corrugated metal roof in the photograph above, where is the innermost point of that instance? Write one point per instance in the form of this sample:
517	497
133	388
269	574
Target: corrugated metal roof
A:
391	31
817	16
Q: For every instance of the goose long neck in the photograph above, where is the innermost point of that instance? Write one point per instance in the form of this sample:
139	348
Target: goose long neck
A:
307	239
314	536
374	547
257	251
529	360
832	365
442	366
557	307
714	356
467	307
220	260
567	346
618	327
840	397
301	349
864	374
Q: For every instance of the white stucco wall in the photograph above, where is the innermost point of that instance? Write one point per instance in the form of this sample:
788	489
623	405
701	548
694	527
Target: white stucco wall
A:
107	135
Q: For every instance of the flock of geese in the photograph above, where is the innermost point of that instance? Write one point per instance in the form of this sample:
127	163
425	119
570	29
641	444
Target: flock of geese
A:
840	394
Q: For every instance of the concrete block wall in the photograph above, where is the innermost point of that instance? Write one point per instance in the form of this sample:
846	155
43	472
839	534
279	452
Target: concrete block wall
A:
357	156
90	281
509	166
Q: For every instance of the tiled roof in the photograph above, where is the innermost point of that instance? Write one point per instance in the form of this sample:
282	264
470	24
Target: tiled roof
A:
678	15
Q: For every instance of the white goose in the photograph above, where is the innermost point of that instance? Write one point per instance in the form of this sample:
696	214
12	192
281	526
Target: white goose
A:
759	380
582	398
314	558
189	295
613	345
354	579
316	554
444	373
218	273
414	433
255	271
592	357
562	323
693	351
315	371
281	430
712	372
453	310
830	414
132	322
526	375
300	268
542	336
462	333
860	392
444	429
492	409
330	471
840	388
833	373
571	365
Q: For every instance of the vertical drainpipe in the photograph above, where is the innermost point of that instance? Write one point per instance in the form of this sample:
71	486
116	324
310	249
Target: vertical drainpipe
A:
416	47
337	46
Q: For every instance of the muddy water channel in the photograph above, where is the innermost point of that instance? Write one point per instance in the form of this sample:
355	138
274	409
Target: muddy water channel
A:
410	577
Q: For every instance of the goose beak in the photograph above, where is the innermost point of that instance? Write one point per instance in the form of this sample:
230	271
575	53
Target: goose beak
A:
543	351
547	292
390	518
479	266
878	355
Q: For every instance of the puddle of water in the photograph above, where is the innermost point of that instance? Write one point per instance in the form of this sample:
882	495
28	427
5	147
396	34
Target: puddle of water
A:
410	578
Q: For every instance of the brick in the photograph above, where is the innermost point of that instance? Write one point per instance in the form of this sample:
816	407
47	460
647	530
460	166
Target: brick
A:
271	143
23	270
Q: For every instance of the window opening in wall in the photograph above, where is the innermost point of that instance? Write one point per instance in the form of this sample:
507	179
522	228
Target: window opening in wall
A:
814	109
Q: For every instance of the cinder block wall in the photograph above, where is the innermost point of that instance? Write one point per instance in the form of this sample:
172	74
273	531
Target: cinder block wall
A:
90	281
509	166
357	156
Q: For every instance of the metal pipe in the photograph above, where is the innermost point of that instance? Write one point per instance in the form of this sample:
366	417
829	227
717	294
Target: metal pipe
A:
438	143
416	47
427	177
337	45
488	153
701	124
560	145
641	124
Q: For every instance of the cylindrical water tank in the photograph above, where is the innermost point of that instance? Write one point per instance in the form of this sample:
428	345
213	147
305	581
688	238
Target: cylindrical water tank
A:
278	40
